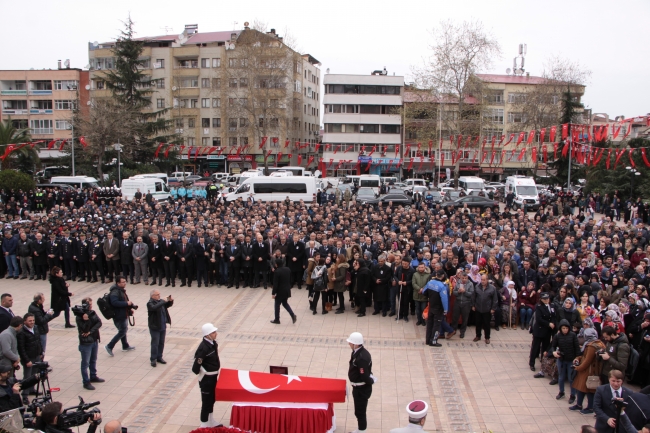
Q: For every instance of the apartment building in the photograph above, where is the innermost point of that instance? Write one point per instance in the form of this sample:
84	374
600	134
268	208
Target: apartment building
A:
43	99
244	91
362	124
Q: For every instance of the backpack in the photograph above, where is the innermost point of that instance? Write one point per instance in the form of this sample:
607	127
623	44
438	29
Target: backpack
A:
105	307
319	276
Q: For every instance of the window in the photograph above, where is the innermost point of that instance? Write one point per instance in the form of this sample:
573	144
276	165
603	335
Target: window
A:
205	141
179	122
216	102
205	122
280	188
191	122
160	103
189	82
159	64
185	103
194	103
232	141
243	122
205	103
190	141
370	109
390	129
495	115
516	118
63	105
216	83
41	85
41	126
205	63
216	122
145	63
342	127
160	83
232	124
99	84
243	141
205	83
298	86
65	85
260	122
333	108
216	63
495	98
233	82
489	133
62	124
516	98
216	141
369	129
191	64
243	82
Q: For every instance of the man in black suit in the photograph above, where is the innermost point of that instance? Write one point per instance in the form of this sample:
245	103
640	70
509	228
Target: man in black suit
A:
168	253
126	256
185	255
247	261
545	321
6	302
281	290
154	257
95	253
295	254
607	414
233	257
261	257
201	261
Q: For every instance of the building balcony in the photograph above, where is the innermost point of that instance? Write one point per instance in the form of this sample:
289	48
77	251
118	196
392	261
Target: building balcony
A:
40	111
14	92
40	92
42	131
7	111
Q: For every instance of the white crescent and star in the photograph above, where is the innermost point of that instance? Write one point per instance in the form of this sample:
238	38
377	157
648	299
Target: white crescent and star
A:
246	383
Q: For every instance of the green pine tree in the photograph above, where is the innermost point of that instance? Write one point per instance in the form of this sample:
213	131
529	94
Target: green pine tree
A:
570	107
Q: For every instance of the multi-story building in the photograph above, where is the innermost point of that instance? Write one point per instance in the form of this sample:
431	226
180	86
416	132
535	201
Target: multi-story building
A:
245	92
43	100
362	124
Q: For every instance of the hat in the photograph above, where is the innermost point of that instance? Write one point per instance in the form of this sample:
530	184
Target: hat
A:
417	409
5	366
441	274
545	295
208	329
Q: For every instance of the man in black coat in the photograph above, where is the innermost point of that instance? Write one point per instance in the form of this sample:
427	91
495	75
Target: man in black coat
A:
67	256
154	257
233	256
281	289
41	317
159	317
29	349
382	275
81	257
10	388
126	256
185	254
6	302
544	324
247	261
168	253
53	249
607	414
295	255
403	279
362	282
261	257
40	257
201	254
95	255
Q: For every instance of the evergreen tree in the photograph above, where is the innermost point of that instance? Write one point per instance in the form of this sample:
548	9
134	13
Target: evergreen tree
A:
568	116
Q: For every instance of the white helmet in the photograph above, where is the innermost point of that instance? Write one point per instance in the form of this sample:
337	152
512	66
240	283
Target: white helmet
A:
355	338
208	329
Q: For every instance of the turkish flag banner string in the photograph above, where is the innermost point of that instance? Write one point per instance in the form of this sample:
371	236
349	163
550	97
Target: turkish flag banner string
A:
369	164
317	147
374	148
460	140
616	131
410	167
545	154
483	157
521	154
299	159
349	148
542	133
51	144
83	142
451	139
155	154
645	158
328	147
565	131
551	137
631	159
619	155
286	143
390	164
607	161
503	137
512	137
62	144
533	154
266	156
520	139
310	160
430	146
421	162
330	163
503	156
337	148
531	135
565	149
629	129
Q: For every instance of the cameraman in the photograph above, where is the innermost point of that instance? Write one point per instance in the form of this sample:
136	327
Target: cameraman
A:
48	422
123	308
9	388
606	402
88	324
29	349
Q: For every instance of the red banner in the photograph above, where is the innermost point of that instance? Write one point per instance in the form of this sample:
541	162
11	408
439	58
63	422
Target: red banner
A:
531	135
565	131
542	133
374	148
552	133
310	160
286	143
619	155
645	158
299	159
533	154
512	137
155	154
607	161
520	138
631	159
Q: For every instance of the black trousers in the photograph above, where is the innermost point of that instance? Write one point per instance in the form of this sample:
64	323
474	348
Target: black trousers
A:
248	276
202	275
213	271
157	271
41	271
317	296
260	268
539	346
405	300
170	270
83	270
233	274
461	309
296	278
128	271
361	395
112	266
364	300
70	269
185	271
434	321
94	267
483	322
207	385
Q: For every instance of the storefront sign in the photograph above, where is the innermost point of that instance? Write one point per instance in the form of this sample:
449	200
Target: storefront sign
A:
365	159
216	157
241	158
269	160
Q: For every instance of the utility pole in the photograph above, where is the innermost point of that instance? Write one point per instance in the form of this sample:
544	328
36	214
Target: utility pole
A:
72	146
568	185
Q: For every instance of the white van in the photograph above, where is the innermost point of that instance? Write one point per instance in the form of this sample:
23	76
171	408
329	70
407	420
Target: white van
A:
76	181
247	175
157	187
281	173
415	182
267	188
525	191
180	174
217	177
471	183
295	171
370	181
388	180
161	176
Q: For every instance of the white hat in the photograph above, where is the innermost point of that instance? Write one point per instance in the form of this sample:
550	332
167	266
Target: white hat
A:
510	283
417	409
355	338
208	329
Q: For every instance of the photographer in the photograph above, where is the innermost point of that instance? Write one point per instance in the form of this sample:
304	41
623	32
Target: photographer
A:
158	319
50	422
9	388
123	308
29	349
88	324
608	402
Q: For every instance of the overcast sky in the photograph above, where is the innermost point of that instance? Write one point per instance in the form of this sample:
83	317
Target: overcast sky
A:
609	38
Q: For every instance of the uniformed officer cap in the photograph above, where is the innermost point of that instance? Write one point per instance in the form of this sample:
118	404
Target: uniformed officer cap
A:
545	295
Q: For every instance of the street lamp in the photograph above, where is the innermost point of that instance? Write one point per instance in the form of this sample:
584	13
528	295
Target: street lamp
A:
633	172
118	149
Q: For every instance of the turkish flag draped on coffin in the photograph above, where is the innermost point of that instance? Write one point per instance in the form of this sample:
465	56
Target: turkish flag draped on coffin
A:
252	386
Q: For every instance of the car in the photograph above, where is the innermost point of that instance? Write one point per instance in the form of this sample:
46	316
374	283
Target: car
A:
437	196
366	195
400	185
417	188
474	202
397	199
451	195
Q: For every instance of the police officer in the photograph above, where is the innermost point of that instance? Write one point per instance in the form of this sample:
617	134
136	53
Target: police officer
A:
53	250
95	253
207	365
438	306
67	255
81	257
361	379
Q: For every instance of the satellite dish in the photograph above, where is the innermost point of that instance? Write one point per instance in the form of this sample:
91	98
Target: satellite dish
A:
87	86
174	88
67	63
95	44
87	66
508	71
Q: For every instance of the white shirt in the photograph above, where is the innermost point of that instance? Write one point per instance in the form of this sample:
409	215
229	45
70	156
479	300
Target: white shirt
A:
620	391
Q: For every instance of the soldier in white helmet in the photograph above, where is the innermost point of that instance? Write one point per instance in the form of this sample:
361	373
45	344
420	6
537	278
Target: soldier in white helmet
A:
207	366
417	411
361	379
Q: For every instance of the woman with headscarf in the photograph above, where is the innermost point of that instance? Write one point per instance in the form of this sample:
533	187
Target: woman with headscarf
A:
508	305
570	314
474	274
527	300
613	319
588	364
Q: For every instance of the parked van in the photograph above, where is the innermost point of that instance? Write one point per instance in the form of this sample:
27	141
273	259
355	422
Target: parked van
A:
248	174
388	180
218	177
76	181
415	182
281	173
295	171
157	187
370	181
471	183
268	188
161	176
180	174
525	191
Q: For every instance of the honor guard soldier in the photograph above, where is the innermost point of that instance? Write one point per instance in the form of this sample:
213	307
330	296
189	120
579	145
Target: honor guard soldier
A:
95	251
81	257
361	379
417	412
207	365
53	250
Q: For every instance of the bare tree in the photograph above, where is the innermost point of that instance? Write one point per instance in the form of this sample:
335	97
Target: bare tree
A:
459	52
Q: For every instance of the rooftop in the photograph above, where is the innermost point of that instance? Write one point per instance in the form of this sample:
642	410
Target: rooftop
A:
511	79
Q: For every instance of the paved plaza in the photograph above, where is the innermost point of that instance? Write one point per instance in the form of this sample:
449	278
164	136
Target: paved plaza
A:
471	387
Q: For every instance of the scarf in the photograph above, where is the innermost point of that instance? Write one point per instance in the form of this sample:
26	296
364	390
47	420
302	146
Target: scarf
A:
590	335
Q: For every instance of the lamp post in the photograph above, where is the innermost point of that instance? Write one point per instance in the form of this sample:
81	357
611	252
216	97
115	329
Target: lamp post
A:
118	148
72	146
633	172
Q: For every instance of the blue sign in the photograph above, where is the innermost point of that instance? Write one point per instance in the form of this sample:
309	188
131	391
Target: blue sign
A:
365	159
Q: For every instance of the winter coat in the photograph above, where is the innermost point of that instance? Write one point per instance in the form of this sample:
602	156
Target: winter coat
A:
29	345
566	344
339	281
419	281
485	299
40	318
590	365
619	354
60	296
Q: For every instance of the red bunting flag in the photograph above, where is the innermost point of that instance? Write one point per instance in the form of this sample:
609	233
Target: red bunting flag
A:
451	139
374	148
419	145
317	147
616	131
62	144
212	149
397	149
607	161
279	157
330	163
597	157
483	157
545	154
631	159
310	160
363	150
299	159
286	143
596	134
469	140
421	162
166	154
619	155
408	150
512	137
589	134
551	137
555	147
461	155
531	135
275	140
460	140
410	167
268	153
263	142
349	148
328	147
155	153
533	154
629	129
542	133
337	148
189	150
503	156
565	149
51	144
369	164
645	158
503	137
492	158
521	154
520	139
83	142
604	132
565	131
430	146
512	154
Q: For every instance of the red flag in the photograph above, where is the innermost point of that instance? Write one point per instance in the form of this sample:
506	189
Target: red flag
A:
160	145
82	140
619	154
607	161
317	147
512	137
461	155
597	133
397	149
421	162
469	140
494	139
62	144
374	148
369	164
645	158
167	150
460	140
503	137
299	159
279	157
521	154
310	160
483	157
503	156
604	132
565	131
531	135
565	149
275	140
268	153
629	129
263	142
408	150
542	133
451	139
419	145
337	148
555	147
533	154
51	144
212	149
239	150
520	139
589	134
410	167
616	131
220	150
597	158
328	147
442	159
349	148
286	143
297	144
492	158
331	162
632	159
552	133
430	146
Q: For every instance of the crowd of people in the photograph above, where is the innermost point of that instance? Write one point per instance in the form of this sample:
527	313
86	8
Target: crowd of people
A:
578	283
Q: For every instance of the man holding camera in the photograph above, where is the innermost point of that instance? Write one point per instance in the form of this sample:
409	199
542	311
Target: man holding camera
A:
10	388
88	324
608	402
50	421
29	349
123	308
158	319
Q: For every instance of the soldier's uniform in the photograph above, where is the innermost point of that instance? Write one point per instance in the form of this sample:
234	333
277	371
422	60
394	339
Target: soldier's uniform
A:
361	379
96	248
67	253
53	251
82	247
207	366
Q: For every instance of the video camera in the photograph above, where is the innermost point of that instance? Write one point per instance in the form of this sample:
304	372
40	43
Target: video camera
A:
80	310
78	415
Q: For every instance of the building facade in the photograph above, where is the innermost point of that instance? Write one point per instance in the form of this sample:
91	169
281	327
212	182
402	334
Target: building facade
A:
244	92
43	100
362	124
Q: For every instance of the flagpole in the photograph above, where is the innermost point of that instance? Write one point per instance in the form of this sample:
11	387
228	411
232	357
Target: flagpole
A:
72	144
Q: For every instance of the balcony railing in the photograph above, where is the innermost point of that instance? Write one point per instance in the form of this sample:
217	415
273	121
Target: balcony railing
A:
40	92
42	131
14	111
40	111
13	92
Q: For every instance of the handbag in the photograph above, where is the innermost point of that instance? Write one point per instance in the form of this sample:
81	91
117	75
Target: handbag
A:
593	382
425	313
328	306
